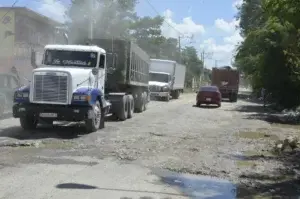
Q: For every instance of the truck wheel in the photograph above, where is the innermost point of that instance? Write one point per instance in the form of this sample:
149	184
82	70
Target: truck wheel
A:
167	98
29	122
93	124
130	106
176	94
102	120
140	103
2	105
145	98
123	108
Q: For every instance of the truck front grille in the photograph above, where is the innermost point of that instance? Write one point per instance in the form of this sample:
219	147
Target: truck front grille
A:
155	89
50	88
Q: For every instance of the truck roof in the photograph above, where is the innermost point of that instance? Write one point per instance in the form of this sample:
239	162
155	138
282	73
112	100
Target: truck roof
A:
159	72
75	48
163	60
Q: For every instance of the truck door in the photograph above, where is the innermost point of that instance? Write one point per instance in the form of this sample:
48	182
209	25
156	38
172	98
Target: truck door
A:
102	72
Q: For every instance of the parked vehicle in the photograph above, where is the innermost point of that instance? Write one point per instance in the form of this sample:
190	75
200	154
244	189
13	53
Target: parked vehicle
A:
8	83
166	79
85	83
208	95
227	80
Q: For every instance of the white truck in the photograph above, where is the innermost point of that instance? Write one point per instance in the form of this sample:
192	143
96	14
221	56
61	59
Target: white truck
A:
166	79
85	83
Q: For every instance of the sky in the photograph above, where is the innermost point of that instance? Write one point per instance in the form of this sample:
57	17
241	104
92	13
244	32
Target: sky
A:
212	23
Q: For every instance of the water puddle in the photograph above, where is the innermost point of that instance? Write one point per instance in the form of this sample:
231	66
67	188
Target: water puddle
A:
198	187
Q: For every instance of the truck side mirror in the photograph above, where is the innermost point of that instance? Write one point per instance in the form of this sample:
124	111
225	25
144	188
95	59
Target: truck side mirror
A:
33	59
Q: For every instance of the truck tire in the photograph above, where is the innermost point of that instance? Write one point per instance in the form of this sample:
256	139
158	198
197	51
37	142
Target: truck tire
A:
29	122
145	101
233	97
94	123
2	108
176	94
167	98
130	106
139	103
122	112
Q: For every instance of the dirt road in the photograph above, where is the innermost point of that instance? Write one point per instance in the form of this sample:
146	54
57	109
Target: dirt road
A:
135	158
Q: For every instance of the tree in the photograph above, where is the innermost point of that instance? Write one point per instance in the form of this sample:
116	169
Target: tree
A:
270	53
193	63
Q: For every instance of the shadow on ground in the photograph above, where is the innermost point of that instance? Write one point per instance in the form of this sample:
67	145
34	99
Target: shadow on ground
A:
206	106
281	183
71	186
56	131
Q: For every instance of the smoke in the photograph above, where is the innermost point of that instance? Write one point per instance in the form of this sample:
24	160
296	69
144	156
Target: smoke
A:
110	18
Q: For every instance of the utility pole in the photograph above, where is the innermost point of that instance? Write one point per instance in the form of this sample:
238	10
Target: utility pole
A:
91	28
216	63
179	45
203	66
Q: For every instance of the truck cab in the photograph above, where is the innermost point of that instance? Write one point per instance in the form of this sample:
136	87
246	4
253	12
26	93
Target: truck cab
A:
166	79
160	84
67	86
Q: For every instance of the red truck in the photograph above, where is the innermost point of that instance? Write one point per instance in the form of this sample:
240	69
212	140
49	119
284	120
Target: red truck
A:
227	80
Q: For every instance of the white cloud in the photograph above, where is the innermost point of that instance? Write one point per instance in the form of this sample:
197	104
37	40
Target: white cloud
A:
186	27
226	26
220	48
53	9
236	4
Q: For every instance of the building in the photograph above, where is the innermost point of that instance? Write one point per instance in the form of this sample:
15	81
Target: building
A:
21	30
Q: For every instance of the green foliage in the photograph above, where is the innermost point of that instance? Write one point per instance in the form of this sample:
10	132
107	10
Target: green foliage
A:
269	55
117	19
193	63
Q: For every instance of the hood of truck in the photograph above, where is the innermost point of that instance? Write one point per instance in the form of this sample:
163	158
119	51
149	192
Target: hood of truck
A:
79	76
154	83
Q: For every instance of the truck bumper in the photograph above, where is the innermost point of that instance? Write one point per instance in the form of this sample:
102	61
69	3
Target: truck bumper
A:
159	94
53	112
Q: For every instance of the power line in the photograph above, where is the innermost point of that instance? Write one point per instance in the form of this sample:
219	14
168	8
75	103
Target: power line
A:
12	6
170	25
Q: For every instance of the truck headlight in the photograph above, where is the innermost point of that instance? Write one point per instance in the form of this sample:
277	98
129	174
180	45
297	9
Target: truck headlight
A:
21	95
81	98
165	89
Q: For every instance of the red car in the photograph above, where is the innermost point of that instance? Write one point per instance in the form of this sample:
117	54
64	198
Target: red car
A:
208	95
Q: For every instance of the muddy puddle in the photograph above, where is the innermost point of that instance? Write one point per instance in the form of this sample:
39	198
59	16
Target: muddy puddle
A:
197	186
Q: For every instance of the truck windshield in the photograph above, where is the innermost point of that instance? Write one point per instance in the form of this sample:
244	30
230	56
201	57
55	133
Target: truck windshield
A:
158	77
70	58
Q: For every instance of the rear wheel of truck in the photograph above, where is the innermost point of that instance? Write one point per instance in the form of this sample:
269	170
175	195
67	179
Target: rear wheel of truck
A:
130	106
122	112
145	99
233	97
175	94
93	124
139	103
29	122
2	108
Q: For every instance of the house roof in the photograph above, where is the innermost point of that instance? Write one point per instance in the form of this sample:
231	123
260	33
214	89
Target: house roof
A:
32	14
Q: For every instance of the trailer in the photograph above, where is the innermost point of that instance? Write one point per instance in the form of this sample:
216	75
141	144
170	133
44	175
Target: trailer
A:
85	83
227	80
166	79
127	73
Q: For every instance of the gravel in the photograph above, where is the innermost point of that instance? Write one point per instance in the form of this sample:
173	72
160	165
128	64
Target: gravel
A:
176	136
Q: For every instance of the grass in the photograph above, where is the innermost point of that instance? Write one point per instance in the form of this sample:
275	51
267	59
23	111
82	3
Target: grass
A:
286	126
255	135
245	163
57	145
